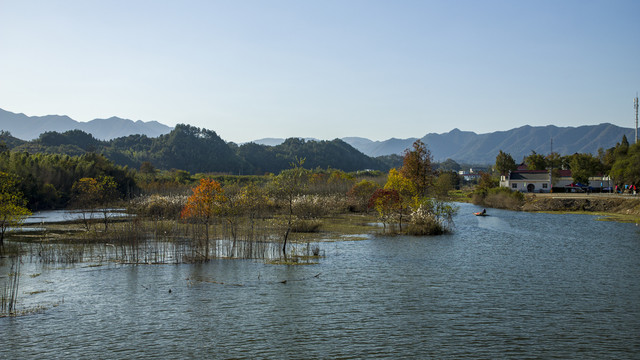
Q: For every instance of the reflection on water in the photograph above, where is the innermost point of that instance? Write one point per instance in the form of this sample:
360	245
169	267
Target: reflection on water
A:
516	286
53	216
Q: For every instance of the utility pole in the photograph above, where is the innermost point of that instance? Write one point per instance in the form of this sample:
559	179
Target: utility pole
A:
551	171
635	106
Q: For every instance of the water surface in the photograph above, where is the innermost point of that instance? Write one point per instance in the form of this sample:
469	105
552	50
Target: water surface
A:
510	285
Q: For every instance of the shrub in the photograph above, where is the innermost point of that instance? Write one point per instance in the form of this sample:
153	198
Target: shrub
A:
501	198
159	207
425	221
314	206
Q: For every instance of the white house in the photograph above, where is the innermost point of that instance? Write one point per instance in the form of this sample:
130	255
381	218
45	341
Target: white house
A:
527	180
543	181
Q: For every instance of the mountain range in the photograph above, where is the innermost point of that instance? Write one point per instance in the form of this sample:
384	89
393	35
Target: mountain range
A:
30	127
458	145
469	147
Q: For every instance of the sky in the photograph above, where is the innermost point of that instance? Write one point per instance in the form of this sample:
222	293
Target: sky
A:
324	69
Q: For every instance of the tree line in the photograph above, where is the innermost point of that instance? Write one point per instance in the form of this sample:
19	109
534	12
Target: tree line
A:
620	162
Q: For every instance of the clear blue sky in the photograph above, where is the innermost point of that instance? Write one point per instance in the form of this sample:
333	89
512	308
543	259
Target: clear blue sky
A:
324	69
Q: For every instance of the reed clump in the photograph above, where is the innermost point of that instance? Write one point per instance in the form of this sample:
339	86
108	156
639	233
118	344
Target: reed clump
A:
9	291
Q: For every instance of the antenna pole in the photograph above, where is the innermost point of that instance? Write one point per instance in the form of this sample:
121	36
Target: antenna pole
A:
551	161
635	106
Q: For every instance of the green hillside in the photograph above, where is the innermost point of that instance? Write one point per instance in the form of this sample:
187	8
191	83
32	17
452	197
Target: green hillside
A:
200	151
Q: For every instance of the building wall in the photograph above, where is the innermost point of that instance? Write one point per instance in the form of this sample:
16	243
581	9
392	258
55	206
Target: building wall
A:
522	185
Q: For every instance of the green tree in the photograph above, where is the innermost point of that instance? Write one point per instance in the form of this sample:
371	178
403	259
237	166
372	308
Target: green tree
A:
253	202
108	195
505	163
445	182
406	189
86	195
535	161
486	182
286	186
386	202
12	205
623	147
554	160
91	194
417	167
360	194
626	168
584	166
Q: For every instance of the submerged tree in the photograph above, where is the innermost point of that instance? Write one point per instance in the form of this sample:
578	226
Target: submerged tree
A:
407	191
12	205
252	201
386	202
202	206
286	187
91	194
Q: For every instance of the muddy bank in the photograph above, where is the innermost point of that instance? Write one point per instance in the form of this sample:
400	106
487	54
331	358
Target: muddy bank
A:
614	205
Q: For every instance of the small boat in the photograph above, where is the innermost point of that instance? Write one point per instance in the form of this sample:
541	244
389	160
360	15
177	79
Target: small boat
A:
481	213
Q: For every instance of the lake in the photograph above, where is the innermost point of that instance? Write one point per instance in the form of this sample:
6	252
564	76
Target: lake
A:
509	285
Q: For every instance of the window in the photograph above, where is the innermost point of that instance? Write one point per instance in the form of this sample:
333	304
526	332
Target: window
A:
514	185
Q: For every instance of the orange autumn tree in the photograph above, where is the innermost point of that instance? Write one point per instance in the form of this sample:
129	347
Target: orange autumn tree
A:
204	204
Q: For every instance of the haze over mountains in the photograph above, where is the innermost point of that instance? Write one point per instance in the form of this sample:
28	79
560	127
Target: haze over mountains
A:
461	146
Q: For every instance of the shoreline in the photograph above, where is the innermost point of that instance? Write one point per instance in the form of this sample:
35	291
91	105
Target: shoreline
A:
623	208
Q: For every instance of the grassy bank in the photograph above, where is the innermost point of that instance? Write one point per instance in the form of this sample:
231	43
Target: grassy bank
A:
610	207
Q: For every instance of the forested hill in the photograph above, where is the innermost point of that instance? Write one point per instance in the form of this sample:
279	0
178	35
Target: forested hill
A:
336	154
200	151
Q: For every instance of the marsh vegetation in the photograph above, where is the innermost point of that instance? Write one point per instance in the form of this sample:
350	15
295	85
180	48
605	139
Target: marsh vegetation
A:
174	217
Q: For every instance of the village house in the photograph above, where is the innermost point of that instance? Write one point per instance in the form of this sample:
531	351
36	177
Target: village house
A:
473	175
527	180
541	181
